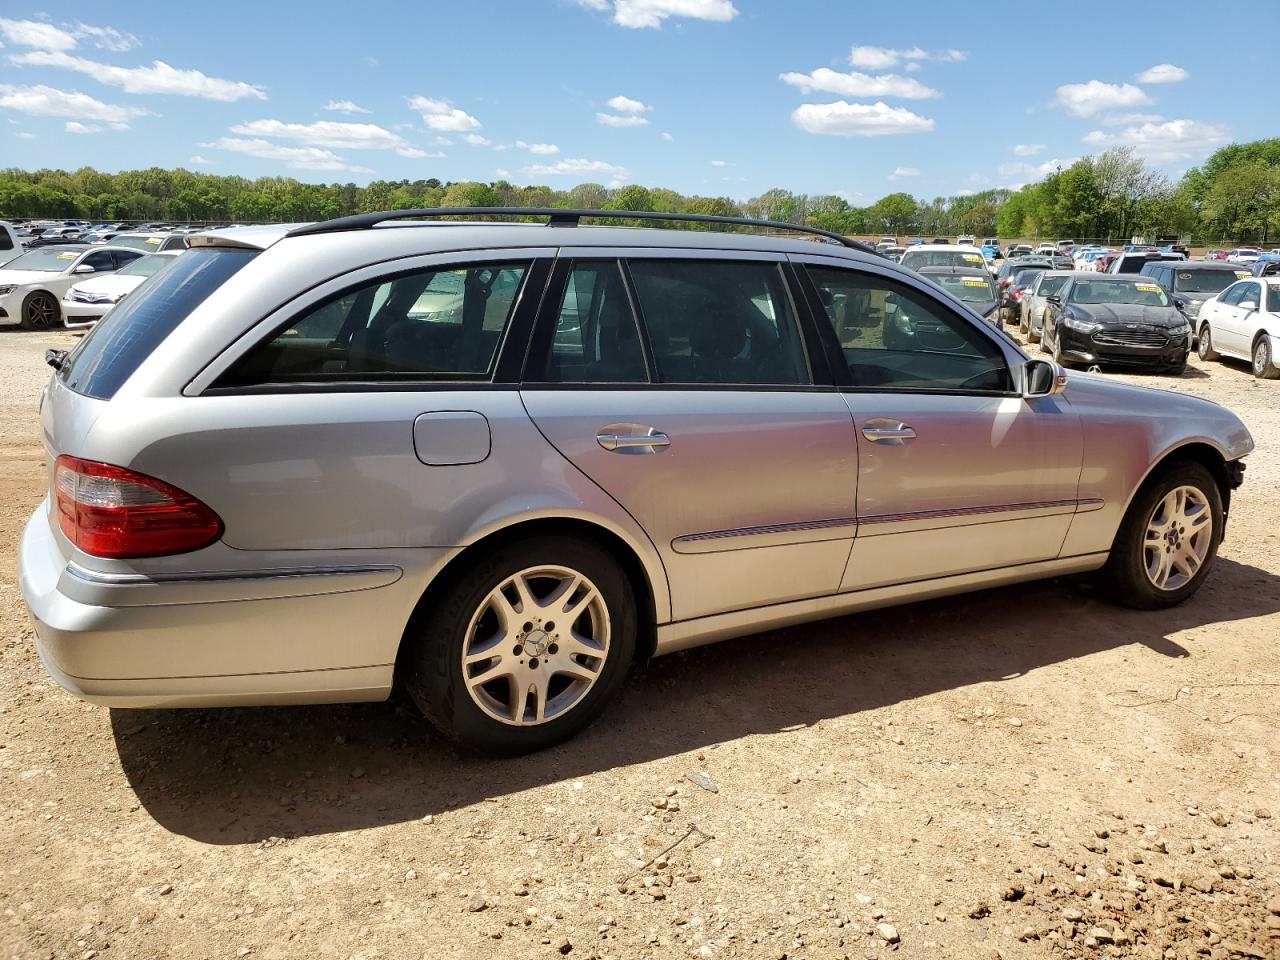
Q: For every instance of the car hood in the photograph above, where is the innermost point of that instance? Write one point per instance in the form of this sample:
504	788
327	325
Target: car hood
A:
111	283
21	278
1128	313
1194	418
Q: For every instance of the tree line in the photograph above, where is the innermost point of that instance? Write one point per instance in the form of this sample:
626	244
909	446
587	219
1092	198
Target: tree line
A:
1234	196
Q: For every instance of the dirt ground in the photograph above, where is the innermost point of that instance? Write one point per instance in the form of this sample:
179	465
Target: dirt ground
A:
1024	772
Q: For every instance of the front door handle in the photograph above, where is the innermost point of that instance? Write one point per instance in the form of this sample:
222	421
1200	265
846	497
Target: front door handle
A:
893	432
633	443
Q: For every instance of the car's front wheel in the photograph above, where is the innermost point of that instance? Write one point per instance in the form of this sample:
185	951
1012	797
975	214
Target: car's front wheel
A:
1204	345
526	648
40	311
1168	540
1058	357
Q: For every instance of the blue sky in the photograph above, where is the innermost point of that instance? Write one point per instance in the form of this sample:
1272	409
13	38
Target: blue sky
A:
716	97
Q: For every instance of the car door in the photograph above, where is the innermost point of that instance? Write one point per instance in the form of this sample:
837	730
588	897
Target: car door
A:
682	383
957	471
1230	324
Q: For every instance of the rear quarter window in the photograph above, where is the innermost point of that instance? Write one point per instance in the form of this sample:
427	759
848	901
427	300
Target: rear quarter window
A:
118	345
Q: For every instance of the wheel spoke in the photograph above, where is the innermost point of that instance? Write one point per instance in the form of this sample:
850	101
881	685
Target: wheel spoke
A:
499	669
571	668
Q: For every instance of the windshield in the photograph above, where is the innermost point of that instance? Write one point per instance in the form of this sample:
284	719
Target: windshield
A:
1026	275
968	289
47	260
915	259
149	244
1203	281
1144	293
145	266
1050	286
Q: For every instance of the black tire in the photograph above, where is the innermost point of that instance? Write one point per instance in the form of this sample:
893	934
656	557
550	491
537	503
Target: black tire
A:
1058	358
1177	369
1261	359
431	670
1125	578
1204	345
40	311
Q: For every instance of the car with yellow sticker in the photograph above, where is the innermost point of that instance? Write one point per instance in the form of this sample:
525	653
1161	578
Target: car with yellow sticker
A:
150	242
943	255
32	285
975	288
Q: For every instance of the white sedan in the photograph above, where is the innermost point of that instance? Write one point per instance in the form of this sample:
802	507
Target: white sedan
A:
89	300
32	285
1243	321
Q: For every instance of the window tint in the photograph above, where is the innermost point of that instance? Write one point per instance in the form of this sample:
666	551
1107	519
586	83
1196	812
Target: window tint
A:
1051	286
1249	292
438	324
5	242
895	338
99	261
114	349
596	340
1235	294
1273	298
719	322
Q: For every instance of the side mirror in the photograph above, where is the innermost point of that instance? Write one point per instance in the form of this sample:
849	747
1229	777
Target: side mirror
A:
1248	306
1043	378
84	268
1053	298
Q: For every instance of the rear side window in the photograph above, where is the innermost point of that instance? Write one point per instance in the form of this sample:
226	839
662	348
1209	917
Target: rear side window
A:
719	322
437	324
596	339
117	346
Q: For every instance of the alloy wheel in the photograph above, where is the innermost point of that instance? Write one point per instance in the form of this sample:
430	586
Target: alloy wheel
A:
536	645
1261	357
41	312
1178	538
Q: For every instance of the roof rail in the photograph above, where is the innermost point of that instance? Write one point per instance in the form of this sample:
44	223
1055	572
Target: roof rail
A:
562	218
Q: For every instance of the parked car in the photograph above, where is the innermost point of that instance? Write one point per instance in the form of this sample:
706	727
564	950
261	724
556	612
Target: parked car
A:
991	242
1010	305
275	480
1216	254
1263	267
1244	255
965	241
1047	249
1019	250
1118	320
974	288
1192	283
32	285
152	242
893	253
942	241
941	255
1243	321
86	302
1034	301
10	242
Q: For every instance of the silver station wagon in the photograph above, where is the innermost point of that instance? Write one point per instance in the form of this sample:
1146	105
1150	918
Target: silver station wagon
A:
493	464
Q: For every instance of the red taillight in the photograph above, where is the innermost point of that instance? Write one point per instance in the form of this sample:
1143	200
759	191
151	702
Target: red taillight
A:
1017	294
116	513
1005	282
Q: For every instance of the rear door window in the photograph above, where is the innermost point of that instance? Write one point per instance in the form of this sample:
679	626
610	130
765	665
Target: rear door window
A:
118	345
442	323
719	322
596	339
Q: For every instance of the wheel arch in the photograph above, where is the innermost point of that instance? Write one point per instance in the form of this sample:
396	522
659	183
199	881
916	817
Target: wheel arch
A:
1196	450
652	599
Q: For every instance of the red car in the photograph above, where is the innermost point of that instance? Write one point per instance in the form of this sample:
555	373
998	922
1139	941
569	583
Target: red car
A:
1216	254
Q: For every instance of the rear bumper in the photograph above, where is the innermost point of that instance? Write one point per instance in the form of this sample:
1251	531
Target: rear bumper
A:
280	636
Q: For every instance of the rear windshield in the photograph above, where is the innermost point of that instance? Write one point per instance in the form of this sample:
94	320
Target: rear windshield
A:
968	289
1025	275
118	345
1145	292
915	259
1203	281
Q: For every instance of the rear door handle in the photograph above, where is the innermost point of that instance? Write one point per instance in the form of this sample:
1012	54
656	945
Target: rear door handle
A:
893	432
632	443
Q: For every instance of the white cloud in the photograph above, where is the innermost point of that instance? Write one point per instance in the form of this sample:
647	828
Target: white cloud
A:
345	106
542	149
475	139
24	135
621	104
965	193
75	126
640	14
667	137
1033	171
33	33
503	173
1162	73
443	141
721	163
325	133
854	84
1128	119
1086	99
107	38
42	101
199	161
441	115
844	119
157	78
612	120
1028	149
904	172
300	158
1165	142
413	153
577	168
879	58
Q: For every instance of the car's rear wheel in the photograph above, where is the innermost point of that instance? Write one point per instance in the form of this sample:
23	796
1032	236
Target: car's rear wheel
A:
526	648
1168	540
40	311
1204	346
1263	367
